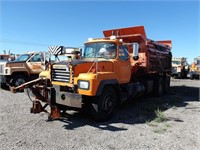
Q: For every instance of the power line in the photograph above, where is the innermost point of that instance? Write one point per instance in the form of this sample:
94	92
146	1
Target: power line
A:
2	40
21	42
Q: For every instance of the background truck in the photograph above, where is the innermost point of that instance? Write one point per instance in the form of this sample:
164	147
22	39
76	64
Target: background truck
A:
7	57
60	53
195	69
180	67
25	68
123	65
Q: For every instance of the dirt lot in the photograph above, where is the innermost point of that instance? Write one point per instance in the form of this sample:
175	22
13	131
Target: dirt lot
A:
166	123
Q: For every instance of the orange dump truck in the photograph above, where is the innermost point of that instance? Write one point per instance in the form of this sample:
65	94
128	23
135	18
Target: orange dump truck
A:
123	65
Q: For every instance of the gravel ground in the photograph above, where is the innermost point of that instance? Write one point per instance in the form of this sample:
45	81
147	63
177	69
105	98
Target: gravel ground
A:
136	124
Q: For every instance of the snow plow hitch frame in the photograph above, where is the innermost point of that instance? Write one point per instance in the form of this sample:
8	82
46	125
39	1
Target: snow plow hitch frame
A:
41	92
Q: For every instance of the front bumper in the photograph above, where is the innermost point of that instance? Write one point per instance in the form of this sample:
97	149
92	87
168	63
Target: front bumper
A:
2	79
66	98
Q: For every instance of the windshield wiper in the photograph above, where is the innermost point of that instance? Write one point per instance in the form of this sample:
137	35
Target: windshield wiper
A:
105	57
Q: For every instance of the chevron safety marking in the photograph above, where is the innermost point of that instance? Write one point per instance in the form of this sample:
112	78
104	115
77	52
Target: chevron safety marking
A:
55	50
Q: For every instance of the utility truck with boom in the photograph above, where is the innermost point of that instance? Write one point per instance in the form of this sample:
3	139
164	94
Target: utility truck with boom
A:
123	65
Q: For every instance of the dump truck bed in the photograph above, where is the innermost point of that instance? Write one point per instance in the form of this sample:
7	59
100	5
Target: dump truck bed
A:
154	56
159	59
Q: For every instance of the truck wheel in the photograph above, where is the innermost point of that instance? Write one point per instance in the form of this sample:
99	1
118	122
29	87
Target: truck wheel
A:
166	84
158	87
197	76
191	76
185	75
179	75
104	106
18	80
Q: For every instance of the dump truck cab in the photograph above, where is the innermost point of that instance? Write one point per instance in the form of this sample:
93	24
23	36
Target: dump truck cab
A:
110	59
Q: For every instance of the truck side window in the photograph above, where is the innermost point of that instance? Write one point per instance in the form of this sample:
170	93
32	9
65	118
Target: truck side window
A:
123	53
37	58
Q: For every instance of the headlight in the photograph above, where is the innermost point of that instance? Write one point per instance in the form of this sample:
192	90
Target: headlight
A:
7	71
178	69
84	85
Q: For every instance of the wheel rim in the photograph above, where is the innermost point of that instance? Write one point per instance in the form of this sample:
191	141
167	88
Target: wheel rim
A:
107	104
19	81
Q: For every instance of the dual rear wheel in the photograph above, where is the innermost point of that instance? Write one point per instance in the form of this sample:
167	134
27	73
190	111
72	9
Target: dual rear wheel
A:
161	86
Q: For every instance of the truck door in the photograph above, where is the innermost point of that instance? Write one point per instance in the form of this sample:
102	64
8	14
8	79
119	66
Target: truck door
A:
36	63
123	66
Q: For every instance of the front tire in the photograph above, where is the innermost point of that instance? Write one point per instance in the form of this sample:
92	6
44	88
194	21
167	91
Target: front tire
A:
104	106
17	80
191	77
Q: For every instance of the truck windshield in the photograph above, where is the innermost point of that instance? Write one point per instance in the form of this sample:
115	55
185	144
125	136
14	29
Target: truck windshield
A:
100	50
198	62
23	57
176	62
62	58
59	58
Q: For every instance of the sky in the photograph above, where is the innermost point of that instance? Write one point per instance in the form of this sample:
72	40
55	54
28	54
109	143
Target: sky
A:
34	25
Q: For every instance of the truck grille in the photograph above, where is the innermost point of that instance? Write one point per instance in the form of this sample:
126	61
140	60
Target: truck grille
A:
1	68
61	74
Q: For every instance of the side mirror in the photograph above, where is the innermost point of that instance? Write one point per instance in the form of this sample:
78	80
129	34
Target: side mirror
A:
135	51
81	52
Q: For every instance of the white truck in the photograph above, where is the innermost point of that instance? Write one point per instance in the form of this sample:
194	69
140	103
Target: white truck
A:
180	67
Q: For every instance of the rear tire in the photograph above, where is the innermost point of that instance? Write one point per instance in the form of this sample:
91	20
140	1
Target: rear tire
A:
166	84
104	106
158	87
